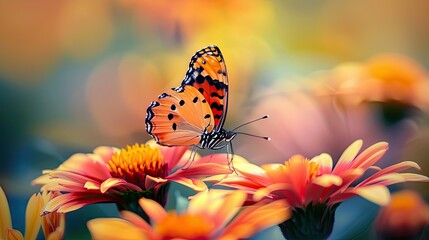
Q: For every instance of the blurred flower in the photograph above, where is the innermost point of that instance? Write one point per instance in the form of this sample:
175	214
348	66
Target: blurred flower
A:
404	217
314	188
32	46
210	215
398	82
53	224
125	175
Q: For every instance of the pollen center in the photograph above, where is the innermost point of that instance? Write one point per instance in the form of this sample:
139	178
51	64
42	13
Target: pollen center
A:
184	226
136	160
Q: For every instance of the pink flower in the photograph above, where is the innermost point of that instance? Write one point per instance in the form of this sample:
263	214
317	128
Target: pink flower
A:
211	215
125	175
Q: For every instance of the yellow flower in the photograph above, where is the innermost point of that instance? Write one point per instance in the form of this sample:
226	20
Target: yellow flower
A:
53	224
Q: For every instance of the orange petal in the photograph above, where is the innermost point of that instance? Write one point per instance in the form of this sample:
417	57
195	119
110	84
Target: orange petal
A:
13	234
223	204
256	218
154	211
114	229
5	220
33	218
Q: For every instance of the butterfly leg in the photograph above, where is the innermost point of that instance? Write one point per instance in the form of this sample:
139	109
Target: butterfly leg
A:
230	156
191	159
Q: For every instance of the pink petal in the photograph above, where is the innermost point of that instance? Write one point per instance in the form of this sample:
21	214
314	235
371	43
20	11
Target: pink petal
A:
203	169
370	160
71	201
151	182
106	153
391	169
172	155
347	157
370	156
221	159
393	178
118	182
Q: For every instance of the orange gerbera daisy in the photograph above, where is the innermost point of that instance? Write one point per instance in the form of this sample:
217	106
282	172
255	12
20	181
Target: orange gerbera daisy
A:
125	175
314	188
53	224
210	215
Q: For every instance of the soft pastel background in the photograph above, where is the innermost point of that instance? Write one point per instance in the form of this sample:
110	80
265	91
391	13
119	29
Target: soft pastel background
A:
76	74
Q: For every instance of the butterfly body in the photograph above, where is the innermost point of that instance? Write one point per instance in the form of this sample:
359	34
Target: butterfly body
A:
194	113
214	139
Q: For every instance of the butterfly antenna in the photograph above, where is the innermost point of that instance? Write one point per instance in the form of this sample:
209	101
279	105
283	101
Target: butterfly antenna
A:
244	124
256	136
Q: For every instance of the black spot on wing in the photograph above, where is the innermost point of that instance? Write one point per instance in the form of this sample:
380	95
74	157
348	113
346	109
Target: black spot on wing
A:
195	100
174	126
173	107
215	94
204	101
200	79
207	116
216	106
170	116
182	102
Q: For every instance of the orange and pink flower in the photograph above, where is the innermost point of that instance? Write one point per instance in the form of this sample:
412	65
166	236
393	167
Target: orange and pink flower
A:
318	185
210	215
125	175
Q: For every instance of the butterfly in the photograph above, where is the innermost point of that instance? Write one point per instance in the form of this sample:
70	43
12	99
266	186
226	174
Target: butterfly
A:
194	113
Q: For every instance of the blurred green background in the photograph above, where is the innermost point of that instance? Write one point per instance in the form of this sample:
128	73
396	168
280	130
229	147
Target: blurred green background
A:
76	74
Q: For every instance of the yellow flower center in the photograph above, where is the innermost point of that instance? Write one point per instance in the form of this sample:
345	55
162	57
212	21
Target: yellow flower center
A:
186	226
136	160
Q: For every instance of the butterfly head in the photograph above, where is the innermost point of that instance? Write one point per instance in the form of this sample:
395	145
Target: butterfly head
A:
229	135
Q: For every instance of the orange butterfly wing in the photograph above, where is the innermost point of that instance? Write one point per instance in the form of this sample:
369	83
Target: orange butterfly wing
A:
179	117
207	73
